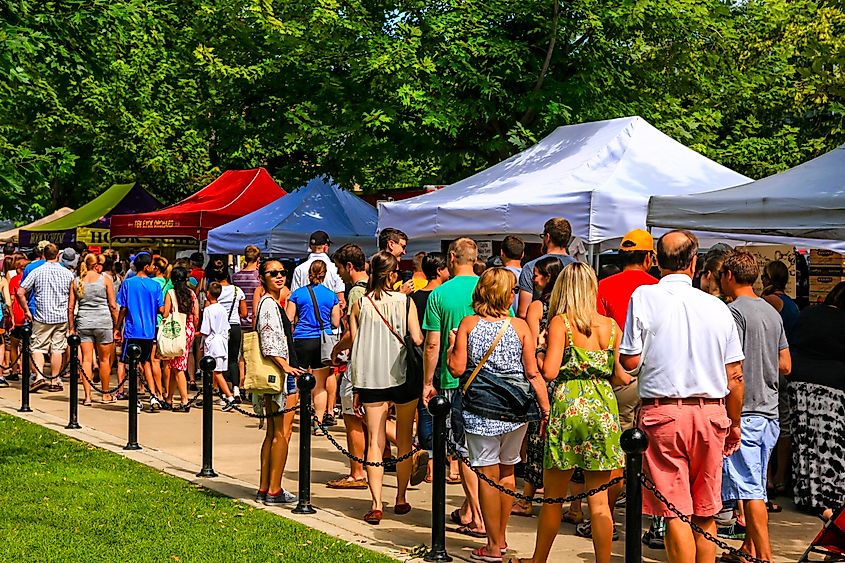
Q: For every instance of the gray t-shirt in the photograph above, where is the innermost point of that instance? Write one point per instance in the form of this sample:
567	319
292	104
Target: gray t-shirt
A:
526	277
762	335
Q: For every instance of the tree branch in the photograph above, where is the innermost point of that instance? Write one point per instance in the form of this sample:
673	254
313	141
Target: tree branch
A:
529	113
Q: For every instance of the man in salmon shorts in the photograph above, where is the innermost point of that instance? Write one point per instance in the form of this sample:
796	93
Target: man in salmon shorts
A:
685	346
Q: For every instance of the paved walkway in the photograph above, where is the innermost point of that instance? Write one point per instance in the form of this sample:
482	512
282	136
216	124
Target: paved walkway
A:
172	443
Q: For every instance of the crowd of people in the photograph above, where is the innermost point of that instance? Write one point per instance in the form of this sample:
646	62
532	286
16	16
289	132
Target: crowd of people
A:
741	396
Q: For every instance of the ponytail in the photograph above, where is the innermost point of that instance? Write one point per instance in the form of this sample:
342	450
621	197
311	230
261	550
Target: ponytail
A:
85	265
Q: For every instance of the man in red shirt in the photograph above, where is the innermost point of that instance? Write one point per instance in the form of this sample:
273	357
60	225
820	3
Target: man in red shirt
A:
636	253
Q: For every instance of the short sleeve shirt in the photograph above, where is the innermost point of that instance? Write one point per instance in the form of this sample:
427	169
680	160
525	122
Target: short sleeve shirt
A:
762	335
526	276
333	280
446	308
615	292
215	327
307	325
230	299
142	298
685	338
50	284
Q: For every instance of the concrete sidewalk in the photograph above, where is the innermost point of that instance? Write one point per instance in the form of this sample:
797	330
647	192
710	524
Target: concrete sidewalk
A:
172	443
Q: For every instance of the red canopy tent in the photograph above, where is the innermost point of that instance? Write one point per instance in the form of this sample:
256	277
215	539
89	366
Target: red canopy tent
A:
231	196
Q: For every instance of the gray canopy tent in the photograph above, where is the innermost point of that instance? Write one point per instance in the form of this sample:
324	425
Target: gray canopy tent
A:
804	205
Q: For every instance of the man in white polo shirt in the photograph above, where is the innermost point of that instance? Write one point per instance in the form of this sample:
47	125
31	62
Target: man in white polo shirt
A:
685	345
319	242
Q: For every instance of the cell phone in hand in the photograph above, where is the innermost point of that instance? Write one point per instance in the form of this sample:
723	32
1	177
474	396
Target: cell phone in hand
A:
407	275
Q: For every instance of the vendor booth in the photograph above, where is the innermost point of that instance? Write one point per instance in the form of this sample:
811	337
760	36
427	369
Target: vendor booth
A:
805	205
282	228
90	223
12	235
234	194
598	175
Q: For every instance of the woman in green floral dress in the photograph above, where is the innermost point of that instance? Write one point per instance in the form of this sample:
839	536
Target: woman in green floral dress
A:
583	427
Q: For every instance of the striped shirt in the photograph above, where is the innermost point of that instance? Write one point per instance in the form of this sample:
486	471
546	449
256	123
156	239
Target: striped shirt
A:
247	280
50	284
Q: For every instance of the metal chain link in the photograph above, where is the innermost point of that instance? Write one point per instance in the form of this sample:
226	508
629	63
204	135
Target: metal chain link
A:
345	452
236	408
649	484
62	373
540	500
104	392
193	400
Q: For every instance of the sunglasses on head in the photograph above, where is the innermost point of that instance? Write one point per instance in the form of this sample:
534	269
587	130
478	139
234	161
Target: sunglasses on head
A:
275	273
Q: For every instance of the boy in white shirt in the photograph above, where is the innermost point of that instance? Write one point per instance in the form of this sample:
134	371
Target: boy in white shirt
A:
215	328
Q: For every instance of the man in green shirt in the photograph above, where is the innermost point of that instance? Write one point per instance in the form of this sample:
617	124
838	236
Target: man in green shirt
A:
447	306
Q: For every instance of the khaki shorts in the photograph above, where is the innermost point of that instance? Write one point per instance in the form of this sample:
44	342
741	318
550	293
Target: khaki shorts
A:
628	399
47	338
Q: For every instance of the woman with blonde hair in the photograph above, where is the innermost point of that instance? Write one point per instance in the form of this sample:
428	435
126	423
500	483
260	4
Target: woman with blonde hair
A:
583	426
378	324
93	293
499	350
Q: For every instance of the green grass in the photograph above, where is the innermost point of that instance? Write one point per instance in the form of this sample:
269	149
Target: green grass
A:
64	500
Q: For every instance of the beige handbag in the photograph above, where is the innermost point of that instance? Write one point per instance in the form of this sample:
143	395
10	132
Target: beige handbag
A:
261	374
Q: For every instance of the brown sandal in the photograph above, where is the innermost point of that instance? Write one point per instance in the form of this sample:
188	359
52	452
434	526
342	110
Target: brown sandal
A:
373	517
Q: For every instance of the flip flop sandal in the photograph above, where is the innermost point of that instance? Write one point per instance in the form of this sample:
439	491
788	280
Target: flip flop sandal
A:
773	507
479	555
467	531
455	517
86	403
454	479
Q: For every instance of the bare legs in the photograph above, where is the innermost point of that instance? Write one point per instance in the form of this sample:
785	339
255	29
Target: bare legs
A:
684	546
496	506
87	349
320	393
376	416
274	449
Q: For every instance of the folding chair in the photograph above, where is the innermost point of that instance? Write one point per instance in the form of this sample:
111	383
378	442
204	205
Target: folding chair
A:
830	542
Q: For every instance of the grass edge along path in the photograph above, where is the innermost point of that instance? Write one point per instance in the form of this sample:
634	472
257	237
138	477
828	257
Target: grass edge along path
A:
66	500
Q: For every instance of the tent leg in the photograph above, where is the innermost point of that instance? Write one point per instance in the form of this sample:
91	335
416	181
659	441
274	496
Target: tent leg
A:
593	255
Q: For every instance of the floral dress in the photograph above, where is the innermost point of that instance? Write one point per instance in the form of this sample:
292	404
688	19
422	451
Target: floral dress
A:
181	363
584	429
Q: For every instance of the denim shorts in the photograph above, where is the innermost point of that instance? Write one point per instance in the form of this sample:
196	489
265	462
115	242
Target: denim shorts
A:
744	473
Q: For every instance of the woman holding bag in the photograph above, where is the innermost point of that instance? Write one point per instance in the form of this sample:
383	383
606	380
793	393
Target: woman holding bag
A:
276	342
181	299
500	350
379	323
315	311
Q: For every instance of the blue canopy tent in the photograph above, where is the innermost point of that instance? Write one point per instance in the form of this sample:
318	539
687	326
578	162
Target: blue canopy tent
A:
282	227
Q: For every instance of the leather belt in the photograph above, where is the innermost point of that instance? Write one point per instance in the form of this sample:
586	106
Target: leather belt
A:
695	401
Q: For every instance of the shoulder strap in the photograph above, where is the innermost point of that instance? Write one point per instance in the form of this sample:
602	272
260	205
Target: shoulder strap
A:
488	353
316	307
612	334
568	327
173	301
234	300
389	326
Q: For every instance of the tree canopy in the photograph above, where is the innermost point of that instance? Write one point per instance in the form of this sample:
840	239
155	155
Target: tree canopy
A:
390	93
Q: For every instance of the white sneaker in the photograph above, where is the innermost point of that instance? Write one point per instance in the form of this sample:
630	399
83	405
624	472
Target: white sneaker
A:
236	394
155	406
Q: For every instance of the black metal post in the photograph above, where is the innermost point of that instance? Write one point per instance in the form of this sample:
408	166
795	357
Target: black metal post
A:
26	367
73	422
306	384
439	407
207	364
634	442
133	352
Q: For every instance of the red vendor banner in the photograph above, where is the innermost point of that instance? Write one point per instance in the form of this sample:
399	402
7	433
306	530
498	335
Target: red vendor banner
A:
231	196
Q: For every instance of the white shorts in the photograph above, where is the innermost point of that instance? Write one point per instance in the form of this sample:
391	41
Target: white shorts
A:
346	398
504	449
221	363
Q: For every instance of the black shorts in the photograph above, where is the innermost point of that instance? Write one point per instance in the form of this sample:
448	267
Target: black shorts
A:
308	353
398	395
146	349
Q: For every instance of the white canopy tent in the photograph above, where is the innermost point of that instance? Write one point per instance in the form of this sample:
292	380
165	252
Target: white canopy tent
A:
598	175
804	206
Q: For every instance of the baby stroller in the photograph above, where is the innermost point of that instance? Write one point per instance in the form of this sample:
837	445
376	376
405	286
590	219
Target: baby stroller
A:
830	542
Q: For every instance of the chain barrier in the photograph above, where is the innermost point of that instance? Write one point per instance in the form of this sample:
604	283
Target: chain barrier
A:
61	374
362	461
236	408
104	392
194	399
539	500
649	484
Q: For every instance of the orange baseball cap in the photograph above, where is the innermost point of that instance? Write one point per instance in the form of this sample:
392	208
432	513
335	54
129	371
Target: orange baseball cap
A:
637	239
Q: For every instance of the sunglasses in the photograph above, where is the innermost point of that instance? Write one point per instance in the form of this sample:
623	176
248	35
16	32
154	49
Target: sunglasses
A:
515	290
275	273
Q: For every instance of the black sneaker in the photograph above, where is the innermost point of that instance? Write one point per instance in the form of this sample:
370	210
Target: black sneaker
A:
3	382
230	404
284	497
329	420
192	386
165	406
260	496
735	531
585	530
653	538
13	377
